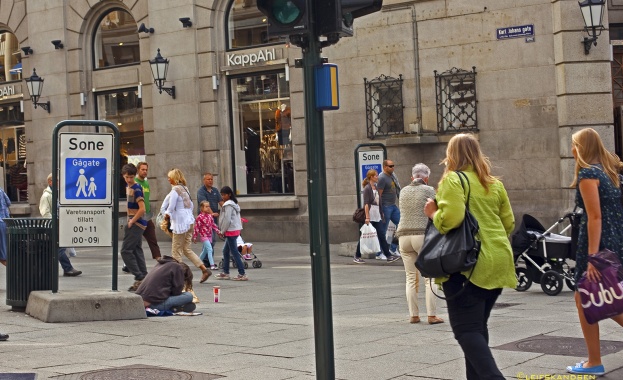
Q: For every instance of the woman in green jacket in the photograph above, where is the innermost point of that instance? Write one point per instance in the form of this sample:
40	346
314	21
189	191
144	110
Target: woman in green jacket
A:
495	269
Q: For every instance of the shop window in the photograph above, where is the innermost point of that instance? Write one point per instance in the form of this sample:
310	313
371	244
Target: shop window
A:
124	109
384	108
456	101
262	134
115	41
247	26
13	153
10	58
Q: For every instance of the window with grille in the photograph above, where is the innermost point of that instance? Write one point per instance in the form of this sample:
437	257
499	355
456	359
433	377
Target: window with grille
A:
456	101
384	108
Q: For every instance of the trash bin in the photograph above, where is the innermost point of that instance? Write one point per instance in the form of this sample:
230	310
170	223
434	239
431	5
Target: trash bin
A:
31	263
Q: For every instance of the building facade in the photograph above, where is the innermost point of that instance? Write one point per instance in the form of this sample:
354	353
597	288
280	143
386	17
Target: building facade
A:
514	73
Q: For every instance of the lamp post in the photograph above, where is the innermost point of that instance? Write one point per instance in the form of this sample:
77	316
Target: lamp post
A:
159	67
34	84
593	14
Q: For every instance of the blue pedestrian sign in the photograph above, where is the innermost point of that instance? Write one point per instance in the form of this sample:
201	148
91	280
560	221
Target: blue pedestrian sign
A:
85	178
85	169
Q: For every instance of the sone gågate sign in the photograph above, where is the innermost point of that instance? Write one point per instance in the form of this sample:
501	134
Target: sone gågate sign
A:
85	183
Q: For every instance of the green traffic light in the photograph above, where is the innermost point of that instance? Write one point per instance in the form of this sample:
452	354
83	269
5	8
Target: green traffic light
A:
286	12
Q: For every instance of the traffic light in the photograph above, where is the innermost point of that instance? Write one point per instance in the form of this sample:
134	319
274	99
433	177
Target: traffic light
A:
334	18
285	17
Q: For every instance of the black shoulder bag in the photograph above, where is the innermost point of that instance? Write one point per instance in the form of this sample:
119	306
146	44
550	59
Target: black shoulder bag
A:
457	251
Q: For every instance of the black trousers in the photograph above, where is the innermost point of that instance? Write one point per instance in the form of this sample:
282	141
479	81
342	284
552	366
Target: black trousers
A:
152	241
469	313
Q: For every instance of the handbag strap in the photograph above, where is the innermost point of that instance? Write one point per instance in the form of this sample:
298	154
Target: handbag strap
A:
469	188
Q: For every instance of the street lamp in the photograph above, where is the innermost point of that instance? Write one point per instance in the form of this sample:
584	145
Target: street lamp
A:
593	14
159	68
34	84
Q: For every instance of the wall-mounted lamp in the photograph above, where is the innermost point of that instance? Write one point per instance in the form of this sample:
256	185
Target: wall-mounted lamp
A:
159	68
186	23
34	84
144	29
27	50
593	14
57	44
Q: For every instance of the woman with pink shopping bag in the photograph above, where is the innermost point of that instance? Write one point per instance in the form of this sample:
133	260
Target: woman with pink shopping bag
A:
599	195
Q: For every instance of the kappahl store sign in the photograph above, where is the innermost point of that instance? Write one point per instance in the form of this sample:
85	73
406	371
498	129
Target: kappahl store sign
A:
250	59
7	91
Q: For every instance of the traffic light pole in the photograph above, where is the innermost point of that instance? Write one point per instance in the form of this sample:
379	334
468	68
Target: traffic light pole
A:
318	215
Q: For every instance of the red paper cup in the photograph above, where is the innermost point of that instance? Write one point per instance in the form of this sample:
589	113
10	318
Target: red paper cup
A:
217	293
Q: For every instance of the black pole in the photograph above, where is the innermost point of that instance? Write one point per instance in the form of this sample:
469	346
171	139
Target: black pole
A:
318	214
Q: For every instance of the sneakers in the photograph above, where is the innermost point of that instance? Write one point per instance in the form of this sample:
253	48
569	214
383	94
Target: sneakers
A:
72	273
579	369
392	258
135	286
222	276
240	277
381	257
188	308
358	260
247	256
214	267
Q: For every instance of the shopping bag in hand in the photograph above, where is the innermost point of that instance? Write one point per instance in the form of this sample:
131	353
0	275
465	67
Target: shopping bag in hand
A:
604	299
369	241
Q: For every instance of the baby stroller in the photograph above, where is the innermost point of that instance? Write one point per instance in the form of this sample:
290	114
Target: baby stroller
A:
250	256
544	254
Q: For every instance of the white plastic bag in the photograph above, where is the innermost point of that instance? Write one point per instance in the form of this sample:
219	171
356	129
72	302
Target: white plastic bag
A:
391	230
369	241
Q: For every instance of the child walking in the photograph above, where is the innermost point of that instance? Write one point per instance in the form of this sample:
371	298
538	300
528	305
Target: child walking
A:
204	224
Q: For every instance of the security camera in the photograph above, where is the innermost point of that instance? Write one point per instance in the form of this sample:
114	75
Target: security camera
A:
57	44
144	29
27	50
186	23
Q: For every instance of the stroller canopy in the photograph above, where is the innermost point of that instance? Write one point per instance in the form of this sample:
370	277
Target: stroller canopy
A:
522	239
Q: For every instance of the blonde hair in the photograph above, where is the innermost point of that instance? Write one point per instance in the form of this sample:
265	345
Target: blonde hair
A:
371	173
464	151
204	203
177	176
589	148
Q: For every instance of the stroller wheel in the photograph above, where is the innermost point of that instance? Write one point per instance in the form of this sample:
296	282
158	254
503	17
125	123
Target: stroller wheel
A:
220	265
254	264
571	283
233	264
259	264
551	283
246	265
524	282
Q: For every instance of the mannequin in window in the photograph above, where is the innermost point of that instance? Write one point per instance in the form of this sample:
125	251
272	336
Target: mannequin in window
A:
283	124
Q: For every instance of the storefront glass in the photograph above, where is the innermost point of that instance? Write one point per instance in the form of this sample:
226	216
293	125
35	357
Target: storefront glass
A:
10	58
116	41
262	134
247	26
124	109
13	152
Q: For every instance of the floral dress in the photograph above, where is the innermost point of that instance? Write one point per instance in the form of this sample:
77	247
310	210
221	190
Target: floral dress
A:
611	218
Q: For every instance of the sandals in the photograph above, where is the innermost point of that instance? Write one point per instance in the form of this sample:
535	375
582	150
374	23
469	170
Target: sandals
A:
434	320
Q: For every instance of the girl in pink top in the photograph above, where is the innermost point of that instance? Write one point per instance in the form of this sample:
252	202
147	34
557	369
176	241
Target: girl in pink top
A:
204	224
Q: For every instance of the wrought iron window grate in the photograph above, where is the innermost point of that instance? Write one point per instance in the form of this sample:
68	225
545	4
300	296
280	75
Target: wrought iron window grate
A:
384	108
456	101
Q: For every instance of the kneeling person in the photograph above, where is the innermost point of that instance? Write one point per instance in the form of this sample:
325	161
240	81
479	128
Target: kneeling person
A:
162	288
